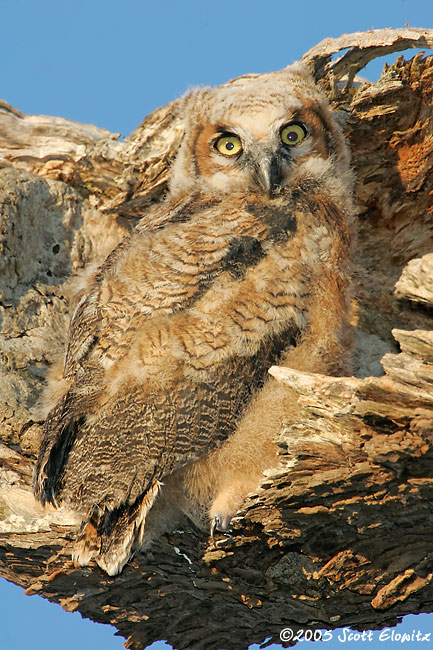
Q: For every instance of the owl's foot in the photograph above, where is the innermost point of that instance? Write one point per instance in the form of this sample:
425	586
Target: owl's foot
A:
221	523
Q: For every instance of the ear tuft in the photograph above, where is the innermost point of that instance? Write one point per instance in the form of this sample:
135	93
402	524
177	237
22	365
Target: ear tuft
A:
300	69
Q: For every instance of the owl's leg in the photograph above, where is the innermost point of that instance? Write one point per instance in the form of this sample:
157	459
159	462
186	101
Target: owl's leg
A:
223	479
238	466
219	483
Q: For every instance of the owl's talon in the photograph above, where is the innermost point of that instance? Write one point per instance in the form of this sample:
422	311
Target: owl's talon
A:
222	542
217	525
213	527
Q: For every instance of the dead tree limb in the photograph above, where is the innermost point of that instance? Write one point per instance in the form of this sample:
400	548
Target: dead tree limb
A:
340	533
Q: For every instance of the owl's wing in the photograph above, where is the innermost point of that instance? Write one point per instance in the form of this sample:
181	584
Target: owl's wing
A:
90	313
137	407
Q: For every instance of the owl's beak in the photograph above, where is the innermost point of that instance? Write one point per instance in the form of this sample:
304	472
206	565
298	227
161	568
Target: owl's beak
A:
269	174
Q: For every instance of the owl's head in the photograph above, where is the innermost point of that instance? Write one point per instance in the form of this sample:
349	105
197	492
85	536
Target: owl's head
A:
260	133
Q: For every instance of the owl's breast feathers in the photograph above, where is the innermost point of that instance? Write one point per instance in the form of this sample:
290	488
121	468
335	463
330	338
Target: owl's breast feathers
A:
175	335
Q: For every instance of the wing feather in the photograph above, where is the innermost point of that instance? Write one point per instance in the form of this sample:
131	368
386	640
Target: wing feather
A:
118	431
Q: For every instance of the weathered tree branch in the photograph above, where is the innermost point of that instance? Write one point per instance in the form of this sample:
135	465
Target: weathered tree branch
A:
362	48
339	534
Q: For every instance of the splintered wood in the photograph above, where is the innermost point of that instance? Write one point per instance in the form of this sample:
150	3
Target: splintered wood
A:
339	534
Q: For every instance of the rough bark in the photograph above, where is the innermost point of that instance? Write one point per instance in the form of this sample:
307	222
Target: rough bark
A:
340	533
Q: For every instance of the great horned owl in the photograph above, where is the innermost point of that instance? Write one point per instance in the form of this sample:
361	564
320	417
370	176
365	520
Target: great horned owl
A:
165	401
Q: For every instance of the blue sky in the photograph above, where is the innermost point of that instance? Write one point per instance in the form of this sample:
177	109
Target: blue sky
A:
110	64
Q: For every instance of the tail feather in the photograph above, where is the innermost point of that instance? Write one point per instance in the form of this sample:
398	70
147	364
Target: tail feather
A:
60	432
112	538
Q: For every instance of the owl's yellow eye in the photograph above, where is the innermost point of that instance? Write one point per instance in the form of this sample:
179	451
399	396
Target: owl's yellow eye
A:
228	145
293	134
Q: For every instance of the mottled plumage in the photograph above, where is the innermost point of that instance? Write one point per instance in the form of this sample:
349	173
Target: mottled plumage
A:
246	264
